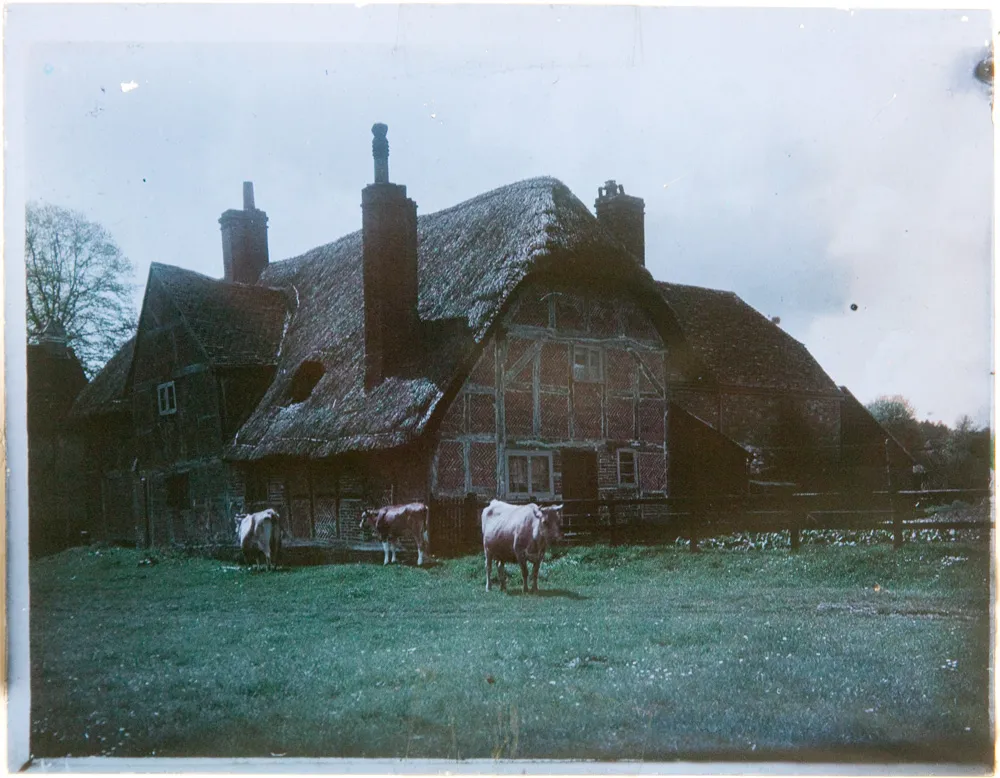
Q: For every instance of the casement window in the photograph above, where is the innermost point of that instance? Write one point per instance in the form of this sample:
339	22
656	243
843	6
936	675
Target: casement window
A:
166	398
626	467
587	363
529	473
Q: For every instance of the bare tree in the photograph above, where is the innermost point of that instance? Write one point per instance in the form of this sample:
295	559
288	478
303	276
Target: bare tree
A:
78	277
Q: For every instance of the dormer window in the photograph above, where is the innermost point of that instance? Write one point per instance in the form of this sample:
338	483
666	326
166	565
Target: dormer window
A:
304	381
166	398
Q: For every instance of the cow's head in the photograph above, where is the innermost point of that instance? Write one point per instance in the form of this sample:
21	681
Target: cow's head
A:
238	518
550	522
367	518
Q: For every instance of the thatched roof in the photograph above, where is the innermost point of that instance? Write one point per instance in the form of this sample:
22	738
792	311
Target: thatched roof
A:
470	259
739	345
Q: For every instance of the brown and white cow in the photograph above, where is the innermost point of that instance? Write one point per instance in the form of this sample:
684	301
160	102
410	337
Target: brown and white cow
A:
518	533
399	521
260	536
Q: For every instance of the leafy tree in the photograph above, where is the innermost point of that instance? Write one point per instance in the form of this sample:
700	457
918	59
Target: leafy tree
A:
896	414
78	277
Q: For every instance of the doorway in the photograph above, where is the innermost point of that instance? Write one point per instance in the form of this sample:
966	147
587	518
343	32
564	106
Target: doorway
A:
579	482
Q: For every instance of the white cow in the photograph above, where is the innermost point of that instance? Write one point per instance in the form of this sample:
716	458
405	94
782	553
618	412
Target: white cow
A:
260	535
398	521
518	533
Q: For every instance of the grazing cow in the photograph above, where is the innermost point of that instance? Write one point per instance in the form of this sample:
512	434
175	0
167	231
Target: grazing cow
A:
260	536
518	533
398	521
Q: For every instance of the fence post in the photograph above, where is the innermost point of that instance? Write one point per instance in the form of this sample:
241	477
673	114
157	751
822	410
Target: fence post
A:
897	520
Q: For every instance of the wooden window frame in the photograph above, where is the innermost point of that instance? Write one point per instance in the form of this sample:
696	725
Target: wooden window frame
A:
529	455
166	398
635	467
591	371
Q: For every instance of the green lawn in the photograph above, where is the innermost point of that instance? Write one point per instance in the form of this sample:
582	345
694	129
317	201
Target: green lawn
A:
630	653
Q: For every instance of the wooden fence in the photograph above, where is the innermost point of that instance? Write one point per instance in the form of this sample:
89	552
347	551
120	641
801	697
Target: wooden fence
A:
455	524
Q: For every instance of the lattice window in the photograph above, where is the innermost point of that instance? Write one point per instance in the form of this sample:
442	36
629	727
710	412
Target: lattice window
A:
483	466
555	364
518	411
603	318
529	473
484	372
453	423
621	369
651	420
652	472
587	411
482	414
621	422
326	518
569	313
451	467
555	416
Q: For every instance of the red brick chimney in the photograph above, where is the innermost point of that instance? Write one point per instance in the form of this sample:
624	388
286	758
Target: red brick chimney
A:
244	241
389	229
624	217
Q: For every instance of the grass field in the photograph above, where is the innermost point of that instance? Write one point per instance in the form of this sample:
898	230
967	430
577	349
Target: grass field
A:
848	653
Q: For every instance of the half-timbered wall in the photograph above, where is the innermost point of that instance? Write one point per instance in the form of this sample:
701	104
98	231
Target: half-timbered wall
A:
568	369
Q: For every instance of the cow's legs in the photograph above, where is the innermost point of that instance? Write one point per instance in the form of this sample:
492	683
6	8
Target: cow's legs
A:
393	547
489	569
502	574
523	564
420	554
534	574
385	548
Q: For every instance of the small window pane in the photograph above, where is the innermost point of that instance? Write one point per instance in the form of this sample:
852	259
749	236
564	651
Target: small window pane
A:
539	475
517	474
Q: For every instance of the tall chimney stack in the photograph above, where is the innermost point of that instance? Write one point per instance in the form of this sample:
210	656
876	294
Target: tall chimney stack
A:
244	241
624	217
389	231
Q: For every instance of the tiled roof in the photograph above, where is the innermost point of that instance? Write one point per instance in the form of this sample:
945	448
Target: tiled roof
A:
741	346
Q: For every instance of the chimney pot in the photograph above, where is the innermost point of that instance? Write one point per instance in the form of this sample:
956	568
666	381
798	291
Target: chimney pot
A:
380	152
244	240
623	216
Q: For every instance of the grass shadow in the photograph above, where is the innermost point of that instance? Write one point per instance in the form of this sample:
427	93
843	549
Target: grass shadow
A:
565	593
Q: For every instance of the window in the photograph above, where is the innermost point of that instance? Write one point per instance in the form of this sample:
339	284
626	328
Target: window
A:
626	467
304	381
178	492
529	473
166	398
586	363
256	487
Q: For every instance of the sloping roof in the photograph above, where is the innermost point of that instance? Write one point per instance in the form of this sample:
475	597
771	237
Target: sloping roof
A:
236	324
105	393
470	259
741	346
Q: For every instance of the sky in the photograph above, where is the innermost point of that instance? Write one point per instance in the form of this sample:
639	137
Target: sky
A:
832	167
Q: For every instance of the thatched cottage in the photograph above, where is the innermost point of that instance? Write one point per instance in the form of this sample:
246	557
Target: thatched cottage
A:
513	345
